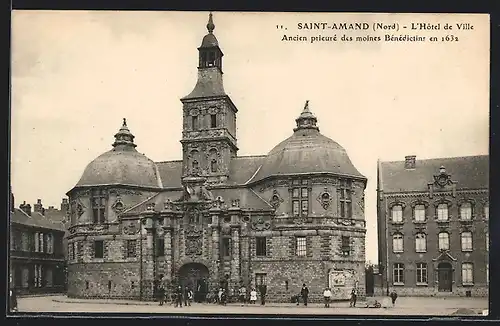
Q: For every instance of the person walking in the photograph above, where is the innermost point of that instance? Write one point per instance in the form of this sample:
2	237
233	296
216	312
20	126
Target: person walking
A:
253	296
178	296
394	296
327	294
223	297
304	293
354	295
161	293
243	295
263	292
189	296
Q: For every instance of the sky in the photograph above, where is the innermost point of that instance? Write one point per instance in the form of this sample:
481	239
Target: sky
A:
76	75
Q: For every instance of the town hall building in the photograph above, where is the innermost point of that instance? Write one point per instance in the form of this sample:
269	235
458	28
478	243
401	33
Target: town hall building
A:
214	218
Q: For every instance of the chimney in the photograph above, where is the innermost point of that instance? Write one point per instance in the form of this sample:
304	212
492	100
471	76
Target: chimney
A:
38	207
64	205
26	208
410	162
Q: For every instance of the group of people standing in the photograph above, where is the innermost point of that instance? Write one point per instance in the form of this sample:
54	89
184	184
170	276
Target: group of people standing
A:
179	296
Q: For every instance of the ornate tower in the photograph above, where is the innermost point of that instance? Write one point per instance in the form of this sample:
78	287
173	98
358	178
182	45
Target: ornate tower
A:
209	119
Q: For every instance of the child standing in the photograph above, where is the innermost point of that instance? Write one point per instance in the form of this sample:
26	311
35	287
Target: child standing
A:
253	296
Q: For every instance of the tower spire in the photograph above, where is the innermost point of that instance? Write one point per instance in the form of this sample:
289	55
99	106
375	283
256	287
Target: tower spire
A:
210	25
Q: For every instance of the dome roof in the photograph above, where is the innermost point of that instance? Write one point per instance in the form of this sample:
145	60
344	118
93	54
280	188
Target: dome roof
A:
121	165
307	151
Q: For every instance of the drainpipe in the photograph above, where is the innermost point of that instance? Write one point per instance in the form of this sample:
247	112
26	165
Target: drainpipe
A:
386	246
140	263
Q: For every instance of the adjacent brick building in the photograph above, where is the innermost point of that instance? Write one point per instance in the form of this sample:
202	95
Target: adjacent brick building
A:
293	216
37	261
433	226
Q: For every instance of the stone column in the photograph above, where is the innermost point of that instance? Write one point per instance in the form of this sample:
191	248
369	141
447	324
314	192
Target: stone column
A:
215	264
235	257
167	238
148	266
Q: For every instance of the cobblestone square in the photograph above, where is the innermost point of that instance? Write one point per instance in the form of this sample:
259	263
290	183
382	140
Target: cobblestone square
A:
404	306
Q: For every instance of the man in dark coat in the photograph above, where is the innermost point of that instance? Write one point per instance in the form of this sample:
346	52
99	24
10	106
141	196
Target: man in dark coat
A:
304	293
263	292
178	296
394	296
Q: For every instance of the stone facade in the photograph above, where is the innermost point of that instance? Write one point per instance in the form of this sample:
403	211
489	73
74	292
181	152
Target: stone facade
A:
435	232
214	219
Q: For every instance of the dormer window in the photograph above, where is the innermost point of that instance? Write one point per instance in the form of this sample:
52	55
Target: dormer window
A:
397	214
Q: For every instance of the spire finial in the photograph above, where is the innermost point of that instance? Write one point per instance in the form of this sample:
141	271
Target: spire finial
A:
124	136
124	122
306	106
210	25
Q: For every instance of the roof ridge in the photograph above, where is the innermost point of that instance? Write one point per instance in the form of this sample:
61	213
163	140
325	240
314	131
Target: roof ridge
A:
438	158
251	156
168	161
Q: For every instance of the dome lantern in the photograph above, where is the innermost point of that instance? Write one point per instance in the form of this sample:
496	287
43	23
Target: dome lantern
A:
306	120
124	138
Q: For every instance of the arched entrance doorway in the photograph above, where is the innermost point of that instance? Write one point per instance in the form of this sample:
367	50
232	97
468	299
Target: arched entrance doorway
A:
445	277
195	276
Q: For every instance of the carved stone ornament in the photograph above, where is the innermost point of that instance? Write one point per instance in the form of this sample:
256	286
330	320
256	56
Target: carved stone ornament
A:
362	203
193	230
130	227
299	220
325	198
194	112
260	225
226	229
194	246
213	110
442	179
276	199
118	206
345	221
120	192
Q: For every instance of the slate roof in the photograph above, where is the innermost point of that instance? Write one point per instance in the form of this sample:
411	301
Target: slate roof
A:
209	84
307	151
241	169
470	172
35	220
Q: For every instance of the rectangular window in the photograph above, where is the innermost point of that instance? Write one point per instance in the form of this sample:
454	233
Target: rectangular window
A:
25	239
213	121
160	248
37	242
301	246
260	246
38	276
397	243
421	273
48	278
487	273
398	273
71	253
300	198
486	212
467	273
444	241
346	245
419	213
420	242
466	241
487	238
295	208
260	279
345	197
131	248
226	247
442	212
194	122
75	250
466	211
397	213
98	203
99	249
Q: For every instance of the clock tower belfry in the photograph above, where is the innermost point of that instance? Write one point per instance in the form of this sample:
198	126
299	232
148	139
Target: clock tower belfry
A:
209	118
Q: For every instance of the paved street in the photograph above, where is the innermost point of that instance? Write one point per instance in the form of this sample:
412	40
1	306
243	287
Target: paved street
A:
404	306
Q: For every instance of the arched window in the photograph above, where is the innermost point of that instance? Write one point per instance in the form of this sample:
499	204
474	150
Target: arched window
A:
420	242
444	241
195	165
419	213
466	241
466	211
397	213
397	242
442	212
